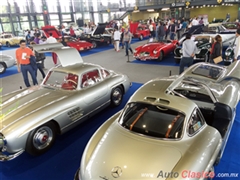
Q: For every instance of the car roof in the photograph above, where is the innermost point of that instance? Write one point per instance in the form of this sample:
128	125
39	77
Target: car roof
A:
77	68
155	92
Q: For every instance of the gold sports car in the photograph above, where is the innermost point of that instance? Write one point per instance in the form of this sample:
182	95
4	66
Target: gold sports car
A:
9	39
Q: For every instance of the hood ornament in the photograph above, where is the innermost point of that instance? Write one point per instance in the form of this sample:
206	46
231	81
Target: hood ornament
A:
116	172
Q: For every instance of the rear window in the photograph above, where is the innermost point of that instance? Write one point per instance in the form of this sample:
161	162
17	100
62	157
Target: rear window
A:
212	72
152	120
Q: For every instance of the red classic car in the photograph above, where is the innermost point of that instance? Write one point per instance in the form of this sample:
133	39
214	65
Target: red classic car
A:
154	50
70	41
141	32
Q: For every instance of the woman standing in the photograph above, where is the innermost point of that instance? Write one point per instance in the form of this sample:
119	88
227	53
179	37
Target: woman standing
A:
216	50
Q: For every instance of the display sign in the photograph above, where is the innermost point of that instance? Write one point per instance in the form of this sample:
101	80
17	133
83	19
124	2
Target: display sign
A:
231	1
178	4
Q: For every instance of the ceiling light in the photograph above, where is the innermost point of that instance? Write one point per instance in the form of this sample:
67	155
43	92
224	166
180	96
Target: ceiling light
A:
204	5
135	11
223	4
150	10
164	9
196	6
192	7
208	5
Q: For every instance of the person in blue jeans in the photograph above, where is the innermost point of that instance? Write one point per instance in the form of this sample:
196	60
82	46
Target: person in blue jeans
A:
23	55
127	38
189	49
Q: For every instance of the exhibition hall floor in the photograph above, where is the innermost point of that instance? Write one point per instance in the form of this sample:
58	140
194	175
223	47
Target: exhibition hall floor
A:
63	159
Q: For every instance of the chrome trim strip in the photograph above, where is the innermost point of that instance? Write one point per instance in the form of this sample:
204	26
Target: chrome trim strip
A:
4	157
84	115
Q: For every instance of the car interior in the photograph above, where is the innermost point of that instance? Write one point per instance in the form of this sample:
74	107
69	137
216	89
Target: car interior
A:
71	82
216	114
90	78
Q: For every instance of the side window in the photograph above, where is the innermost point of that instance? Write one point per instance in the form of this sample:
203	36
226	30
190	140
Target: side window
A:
90	78
105	73
195	123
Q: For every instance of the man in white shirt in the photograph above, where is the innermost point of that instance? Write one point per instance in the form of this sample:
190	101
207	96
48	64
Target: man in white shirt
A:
237	46
49	40
195	22
116	37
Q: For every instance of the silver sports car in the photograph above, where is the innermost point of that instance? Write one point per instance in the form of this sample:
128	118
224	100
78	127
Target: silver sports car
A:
71	93
6	61
177	126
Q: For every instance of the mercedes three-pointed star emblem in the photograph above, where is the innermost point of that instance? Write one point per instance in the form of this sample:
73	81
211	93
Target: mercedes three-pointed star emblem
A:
116	172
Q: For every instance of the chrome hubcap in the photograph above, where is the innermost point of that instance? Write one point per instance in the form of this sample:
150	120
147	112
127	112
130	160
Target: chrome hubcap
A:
1	68
117	96
43	137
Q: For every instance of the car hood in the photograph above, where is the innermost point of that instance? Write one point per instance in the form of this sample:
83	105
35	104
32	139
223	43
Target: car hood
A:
99	29
152	46
51	29
137	157
30	102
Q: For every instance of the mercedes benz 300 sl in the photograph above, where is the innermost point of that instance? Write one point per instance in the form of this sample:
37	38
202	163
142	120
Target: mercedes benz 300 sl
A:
176	125
70	93
6	61
154	50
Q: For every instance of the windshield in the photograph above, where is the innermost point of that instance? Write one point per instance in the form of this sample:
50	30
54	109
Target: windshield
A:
152	120
61	80
202	41
66	39
222	28
213	72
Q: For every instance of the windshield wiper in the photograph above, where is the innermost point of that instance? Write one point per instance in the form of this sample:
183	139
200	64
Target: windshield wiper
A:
138	117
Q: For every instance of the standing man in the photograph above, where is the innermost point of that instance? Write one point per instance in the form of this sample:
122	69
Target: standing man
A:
173	30
116	37
189	49
195	22
49	40
127	38
161	32
237	46
23	63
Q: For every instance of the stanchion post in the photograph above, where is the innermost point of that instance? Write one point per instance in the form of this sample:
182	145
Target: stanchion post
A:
128	58
170	73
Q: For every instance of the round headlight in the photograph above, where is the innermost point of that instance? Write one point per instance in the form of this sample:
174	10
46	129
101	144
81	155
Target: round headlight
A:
154	52
2	142
227	53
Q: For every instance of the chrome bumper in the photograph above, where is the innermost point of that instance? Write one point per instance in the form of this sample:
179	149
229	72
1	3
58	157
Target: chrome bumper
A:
195	59
76	176
144	58
4	157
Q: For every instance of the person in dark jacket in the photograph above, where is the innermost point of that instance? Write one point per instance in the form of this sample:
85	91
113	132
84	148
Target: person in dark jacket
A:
161	32
216	50
39	58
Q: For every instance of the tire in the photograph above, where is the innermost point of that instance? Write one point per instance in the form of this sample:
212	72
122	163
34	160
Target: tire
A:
141	37
160	58
41	139
227	63
8	44
2	67
116	96
212	172
177	61
94	44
